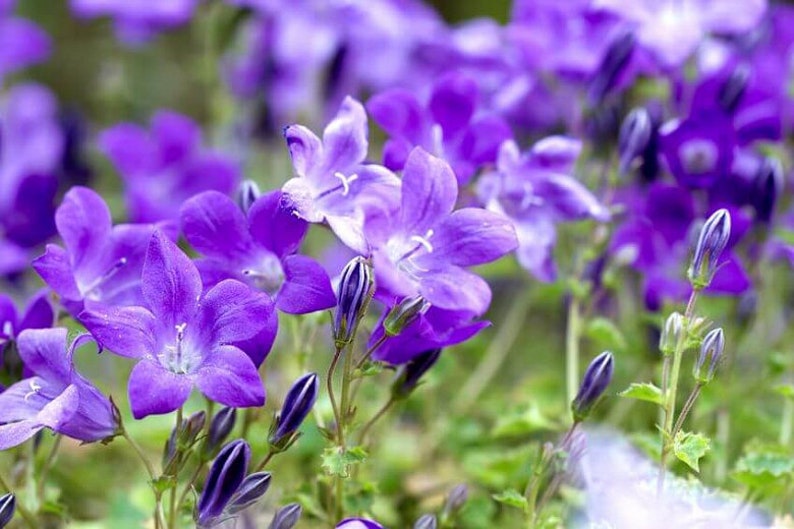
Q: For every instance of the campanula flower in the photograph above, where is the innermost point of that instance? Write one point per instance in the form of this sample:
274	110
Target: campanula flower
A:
56	396
332	182
137	21
38	314
183	337
22	43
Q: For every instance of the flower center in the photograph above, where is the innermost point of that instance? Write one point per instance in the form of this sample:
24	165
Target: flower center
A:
344	185
267	275
698	156
177	357
403	252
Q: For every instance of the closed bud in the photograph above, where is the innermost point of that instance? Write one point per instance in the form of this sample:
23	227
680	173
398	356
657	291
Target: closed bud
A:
286	517
733	88
615	59
768	186
635	133
220	428
297	405
427	521
7	505
224	479
356	287
409	374
711	242
710	354
456	500
247	193
182	437
596	379
254	486
672	333
403	314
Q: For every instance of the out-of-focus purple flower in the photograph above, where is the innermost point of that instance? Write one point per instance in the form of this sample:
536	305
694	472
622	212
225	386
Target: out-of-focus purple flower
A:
22	43
258	249
358	523
332	183
425	248
137	21
164	167
100	262
672	29
223	480
55	397
183	338
448	126
536	190
38	314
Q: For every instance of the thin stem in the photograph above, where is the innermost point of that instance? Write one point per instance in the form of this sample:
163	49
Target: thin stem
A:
330	384
190	483
371	350
690	401
265	460
572	349
344	409
381	412
139	451
29	517
46	467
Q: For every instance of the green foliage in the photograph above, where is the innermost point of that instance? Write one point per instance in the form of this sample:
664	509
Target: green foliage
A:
512	498
646	391
525	422
764	467
690	448
337	461
605	334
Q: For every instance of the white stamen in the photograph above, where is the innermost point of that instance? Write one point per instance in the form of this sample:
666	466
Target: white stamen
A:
34	389
424	240
346	181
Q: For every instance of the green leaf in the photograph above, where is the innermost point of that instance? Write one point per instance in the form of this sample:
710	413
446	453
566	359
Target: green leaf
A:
513	498
164	483
606	334
690	447
760	469
644	391
337	462
525	422
787	390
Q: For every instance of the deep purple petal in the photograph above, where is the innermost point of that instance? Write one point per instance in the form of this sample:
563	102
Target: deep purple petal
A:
126	331
258	347
306	287
274	225
556	153
129	148
171	282
399	113
569	199
176	135
429	192
44	352
456	289
39	313
154	390
55	269
345	137
215	226
305	149
228	376
452	102
22	43
231	312
84	222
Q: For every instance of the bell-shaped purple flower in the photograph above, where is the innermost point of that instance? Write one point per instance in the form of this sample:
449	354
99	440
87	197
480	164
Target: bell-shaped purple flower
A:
297	405
23	42
183	337
596	379
38	314
223	481
56	396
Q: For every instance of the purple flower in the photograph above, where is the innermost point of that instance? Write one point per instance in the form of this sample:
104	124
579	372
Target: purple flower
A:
258	249
448	126
425	248
100	262
137	21
22	43
55	397
333	183
163	168
183	338
536	190
38	314
358	523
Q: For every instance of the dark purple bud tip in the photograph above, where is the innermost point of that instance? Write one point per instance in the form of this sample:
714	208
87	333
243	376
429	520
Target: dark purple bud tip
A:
635	133
356	286
457	499
403	314
615	59
768	186
596	379
712	241
7	505
710	355
286	517
253	487
247	193
426	521
224	479
733	88
220	428
408	375
297	405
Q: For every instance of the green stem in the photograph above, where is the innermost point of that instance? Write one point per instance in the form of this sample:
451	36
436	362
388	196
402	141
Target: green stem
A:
787	422
572	349
265	460
371	350
46	468
690	401
150	470
344	407
330	385
381	412
190	483
29	517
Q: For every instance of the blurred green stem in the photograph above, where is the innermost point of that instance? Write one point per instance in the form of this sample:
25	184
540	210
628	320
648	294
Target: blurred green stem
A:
787	422
29	517
46	468
381	412
572	333
158	524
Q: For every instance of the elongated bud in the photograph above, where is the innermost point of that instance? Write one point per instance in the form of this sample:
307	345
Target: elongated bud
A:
286	517
596	379
456	500
733	88
426	521
7	505
297	405
409	374
253	487
221	426
635	133
224	479
356	287
710	353
768	186
615	59
671	333
403	314
183	436
247	193
712	241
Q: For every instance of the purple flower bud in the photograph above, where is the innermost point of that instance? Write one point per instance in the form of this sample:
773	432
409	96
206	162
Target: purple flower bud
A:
615	59
358	523
768	185
220	428
247	193
356	287
253	487
7	505
403	314
671	333
456	499
183	436
224	479
297	405
712	241
595	382
635	133
409	374
286	517
733	88
426	521
710	351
